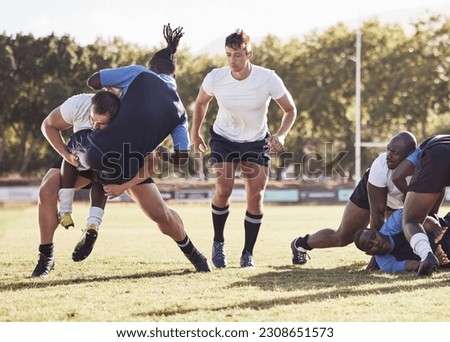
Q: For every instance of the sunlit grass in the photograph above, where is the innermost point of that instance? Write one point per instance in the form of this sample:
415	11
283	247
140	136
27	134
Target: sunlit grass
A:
137	274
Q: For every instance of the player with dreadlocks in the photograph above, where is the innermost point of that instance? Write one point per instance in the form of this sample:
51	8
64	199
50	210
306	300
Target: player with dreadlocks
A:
150	110
164	60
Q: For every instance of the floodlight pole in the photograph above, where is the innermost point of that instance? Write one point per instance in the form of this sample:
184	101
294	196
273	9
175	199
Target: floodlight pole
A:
358	108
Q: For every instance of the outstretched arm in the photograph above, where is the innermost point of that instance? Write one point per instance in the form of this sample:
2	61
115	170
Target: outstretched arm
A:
150	167
286	103
200	108
177	157
377	202
51	128
401	172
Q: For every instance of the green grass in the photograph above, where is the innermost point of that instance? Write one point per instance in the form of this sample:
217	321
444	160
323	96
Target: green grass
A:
137	274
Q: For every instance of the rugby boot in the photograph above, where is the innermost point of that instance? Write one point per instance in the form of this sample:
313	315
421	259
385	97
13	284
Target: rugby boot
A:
86	244
247	260
44	265
428	266
219	258
298	254
66	220
199	261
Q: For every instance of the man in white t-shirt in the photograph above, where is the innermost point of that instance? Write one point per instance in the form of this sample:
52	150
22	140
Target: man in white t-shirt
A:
74	113
240	136
374	198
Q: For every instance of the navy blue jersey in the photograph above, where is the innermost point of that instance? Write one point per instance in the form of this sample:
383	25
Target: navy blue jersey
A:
149	112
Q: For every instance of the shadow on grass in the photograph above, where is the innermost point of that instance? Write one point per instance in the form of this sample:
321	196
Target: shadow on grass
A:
292	278
49	282
321	285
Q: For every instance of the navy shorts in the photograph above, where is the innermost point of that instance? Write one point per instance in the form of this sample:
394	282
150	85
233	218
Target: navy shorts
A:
433	172
86	173
359	196
224	150
91	157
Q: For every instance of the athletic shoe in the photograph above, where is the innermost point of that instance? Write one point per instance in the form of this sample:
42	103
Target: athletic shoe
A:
298	254
66	220
428	266
199	261
247	260
219	258
44	265
86	244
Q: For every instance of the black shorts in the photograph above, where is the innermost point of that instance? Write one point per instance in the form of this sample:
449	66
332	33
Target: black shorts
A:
433	172
224	150
91	157
86	173
359	196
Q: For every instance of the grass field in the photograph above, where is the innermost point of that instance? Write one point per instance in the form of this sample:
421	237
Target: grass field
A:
137	274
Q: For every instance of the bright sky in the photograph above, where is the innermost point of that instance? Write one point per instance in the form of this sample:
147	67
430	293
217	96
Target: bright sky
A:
204	21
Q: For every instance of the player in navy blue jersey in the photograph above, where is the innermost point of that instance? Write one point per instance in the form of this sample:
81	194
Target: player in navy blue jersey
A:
150	110
431	176
374	198
391	249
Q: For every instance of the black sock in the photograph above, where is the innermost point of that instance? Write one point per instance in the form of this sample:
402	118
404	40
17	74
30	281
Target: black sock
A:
303	242
46	249
219	217
186	246
252	223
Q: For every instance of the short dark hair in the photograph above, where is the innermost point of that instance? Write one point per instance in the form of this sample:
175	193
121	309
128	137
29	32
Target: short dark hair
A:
164	61
407	140
105	103
239	40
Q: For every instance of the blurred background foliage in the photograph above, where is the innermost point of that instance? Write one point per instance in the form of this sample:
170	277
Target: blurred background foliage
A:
404	86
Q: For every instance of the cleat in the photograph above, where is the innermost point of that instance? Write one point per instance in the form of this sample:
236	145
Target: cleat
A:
86	244
66	220
199	261
219	258
247	260
44	266
428	266
298	254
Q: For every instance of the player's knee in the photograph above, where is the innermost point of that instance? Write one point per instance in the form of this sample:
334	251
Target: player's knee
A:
47	194
343	240
256	197
223	194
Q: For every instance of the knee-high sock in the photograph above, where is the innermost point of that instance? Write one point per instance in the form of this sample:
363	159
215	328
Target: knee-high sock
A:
420	245
252	223
46	249
95	216
65	200
219	217
186	245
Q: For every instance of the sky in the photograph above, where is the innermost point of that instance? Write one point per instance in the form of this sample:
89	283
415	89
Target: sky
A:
204	21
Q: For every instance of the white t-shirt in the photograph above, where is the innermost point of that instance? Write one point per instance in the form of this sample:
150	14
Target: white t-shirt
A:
242	114
380	175
76	111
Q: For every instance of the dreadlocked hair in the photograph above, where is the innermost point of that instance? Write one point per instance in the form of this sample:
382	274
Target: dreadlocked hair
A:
164	60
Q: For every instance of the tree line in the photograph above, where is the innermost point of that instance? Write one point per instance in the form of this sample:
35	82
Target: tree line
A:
404	86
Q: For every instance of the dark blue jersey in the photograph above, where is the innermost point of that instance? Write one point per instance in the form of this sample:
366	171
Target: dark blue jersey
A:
401	250
149	111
